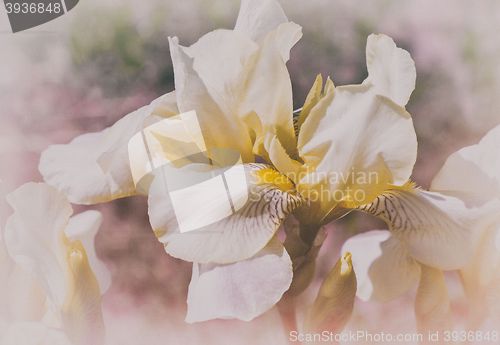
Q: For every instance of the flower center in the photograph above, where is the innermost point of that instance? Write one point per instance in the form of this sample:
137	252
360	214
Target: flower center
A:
271	176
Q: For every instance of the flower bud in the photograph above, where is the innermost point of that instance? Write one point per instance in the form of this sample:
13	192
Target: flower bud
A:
333	306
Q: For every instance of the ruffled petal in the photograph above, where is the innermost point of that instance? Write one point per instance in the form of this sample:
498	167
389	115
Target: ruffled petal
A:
41	238
257	18
356	144
33	235
221	59
439	231
268	89
242	290
251	90
192	94
384	268
206	222
94	167
391	70
472	173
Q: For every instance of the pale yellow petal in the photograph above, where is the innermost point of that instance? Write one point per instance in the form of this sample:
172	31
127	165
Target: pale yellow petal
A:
312	98
33	235
257	18
192	94
282	161
261	199
391	70
356	144
241	290
94	167
472	173
268	89
221	59
439	231
41	238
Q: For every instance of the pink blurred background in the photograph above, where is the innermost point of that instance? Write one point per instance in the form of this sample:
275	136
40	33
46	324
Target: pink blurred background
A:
105	58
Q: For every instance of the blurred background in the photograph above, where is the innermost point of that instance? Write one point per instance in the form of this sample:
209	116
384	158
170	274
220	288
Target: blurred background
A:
85	70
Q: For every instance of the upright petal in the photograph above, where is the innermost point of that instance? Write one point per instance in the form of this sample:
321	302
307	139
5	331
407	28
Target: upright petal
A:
94	167
220	130
356	144
258	17
391	70
268	89
221	59
384	268
251	88
241	290
262	199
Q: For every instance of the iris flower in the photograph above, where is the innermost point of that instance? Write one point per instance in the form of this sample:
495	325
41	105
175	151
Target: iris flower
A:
347	146
453	226
55	278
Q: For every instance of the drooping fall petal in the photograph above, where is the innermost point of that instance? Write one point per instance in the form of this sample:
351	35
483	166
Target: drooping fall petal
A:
263	198
94	167
438	230
241	290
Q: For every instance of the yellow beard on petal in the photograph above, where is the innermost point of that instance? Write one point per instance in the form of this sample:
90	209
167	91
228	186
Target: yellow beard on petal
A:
81	312
271	176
